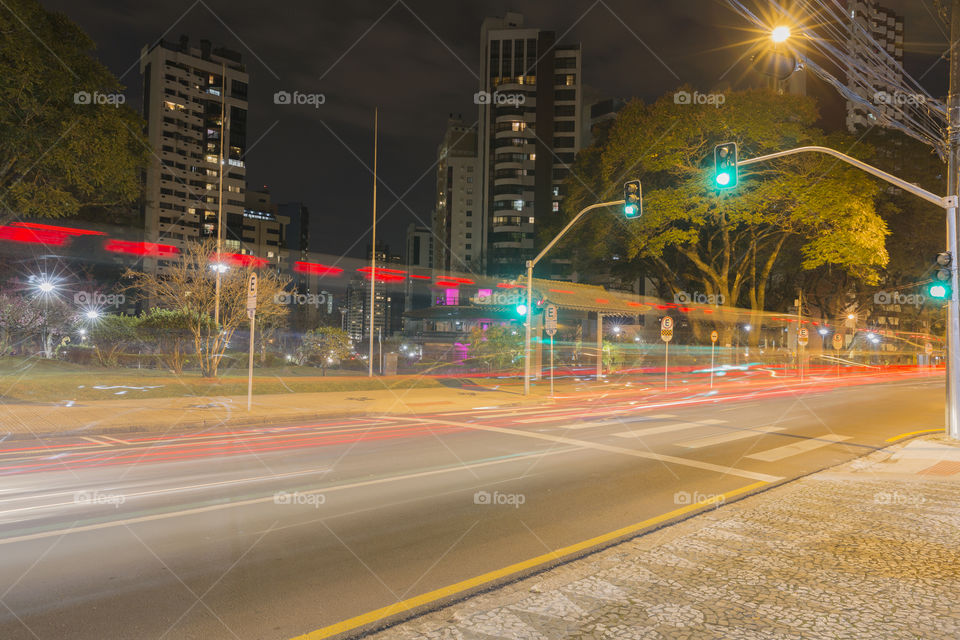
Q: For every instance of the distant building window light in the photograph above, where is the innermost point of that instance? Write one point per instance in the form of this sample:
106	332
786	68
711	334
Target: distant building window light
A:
518	205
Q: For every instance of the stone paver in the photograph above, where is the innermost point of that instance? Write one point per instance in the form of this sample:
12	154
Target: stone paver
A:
867	550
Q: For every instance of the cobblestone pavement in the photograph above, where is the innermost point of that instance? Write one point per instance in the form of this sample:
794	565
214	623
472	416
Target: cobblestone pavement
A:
868	550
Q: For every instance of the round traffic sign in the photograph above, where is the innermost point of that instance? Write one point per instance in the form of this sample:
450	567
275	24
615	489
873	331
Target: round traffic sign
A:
837	341
666	322
928	348
803	336
714	336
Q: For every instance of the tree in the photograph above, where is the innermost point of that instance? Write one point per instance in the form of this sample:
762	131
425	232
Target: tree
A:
111	335
324	344
497	347
60	151
24	319
168	332
729	243
188	285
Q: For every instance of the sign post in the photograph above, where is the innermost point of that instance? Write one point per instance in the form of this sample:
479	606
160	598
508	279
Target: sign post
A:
837	345
803	337
550	324
251	313
714	336
666	334
928	350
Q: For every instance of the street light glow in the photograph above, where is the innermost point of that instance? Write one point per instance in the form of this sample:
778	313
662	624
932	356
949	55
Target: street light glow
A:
92	314
45	287
780	34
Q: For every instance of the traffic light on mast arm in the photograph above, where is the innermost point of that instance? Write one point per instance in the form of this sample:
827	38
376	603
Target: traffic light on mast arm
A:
725	165
632	200
941	287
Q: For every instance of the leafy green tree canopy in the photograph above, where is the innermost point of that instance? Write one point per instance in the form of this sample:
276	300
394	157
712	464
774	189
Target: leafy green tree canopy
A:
67	140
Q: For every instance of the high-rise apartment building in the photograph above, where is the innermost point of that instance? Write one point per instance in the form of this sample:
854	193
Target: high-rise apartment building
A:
530	128
260	231
185	90
458	216
877	25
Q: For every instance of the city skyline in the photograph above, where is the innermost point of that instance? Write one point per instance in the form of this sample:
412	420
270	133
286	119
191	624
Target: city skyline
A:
321	156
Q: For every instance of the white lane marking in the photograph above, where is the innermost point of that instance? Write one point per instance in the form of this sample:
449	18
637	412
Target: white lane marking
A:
44	455
99	442
587	444
667	428
609	422
243	503
720	438
205	485
115	440
772	455
632	412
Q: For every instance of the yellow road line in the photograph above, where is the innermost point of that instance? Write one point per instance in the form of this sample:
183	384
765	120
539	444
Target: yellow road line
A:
470	583
912	433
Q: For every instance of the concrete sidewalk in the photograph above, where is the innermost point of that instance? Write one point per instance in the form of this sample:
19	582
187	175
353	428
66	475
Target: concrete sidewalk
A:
864	550
162	414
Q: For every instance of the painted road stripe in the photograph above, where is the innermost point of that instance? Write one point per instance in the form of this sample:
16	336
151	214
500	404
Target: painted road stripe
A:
599	446
95	441
630	412
720	438
115	440
667	428
472	583
772	455
609	422
913	433
266	499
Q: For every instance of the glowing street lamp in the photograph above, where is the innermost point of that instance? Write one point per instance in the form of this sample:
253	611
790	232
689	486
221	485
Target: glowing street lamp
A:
46	287
780	34
92	314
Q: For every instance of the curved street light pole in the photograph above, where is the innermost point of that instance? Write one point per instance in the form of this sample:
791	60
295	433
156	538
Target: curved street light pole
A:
530	265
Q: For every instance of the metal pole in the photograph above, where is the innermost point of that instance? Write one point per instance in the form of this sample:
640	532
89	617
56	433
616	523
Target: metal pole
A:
250	362
373	251
666	362
551	365
527	329
599	346
530	265
952	421
713	348
218	264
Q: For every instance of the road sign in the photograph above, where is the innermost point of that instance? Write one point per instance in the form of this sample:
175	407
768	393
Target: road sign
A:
666	329
252	293
714	336
837	341
550	319
803	336
928	348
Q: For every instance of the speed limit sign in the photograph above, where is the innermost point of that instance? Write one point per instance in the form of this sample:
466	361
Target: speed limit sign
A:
666	329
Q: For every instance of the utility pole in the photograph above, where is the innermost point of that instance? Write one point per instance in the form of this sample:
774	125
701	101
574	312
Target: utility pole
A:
373	251
953	180
218	265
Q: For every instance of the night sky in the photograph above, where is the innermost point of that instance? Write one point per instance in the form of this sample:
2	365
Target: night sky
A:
416	60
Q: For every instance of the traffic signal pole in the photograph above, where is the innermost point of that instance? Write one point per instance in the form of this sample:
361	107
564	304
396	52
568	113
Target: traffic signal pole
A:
953	181
530	265
949	205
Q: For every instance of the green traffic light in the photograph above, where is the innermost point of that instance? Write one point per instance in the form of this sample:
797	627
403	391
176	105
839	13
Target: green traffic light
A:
630	210
723	179
938	291
521	309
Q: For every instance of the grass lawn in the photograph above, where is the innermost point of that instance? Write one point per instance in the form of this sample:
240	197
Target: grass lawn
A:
39	380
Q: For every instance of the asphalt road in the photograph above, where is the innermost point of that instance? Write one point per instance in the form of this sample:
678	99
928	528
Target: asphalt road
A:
275	532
